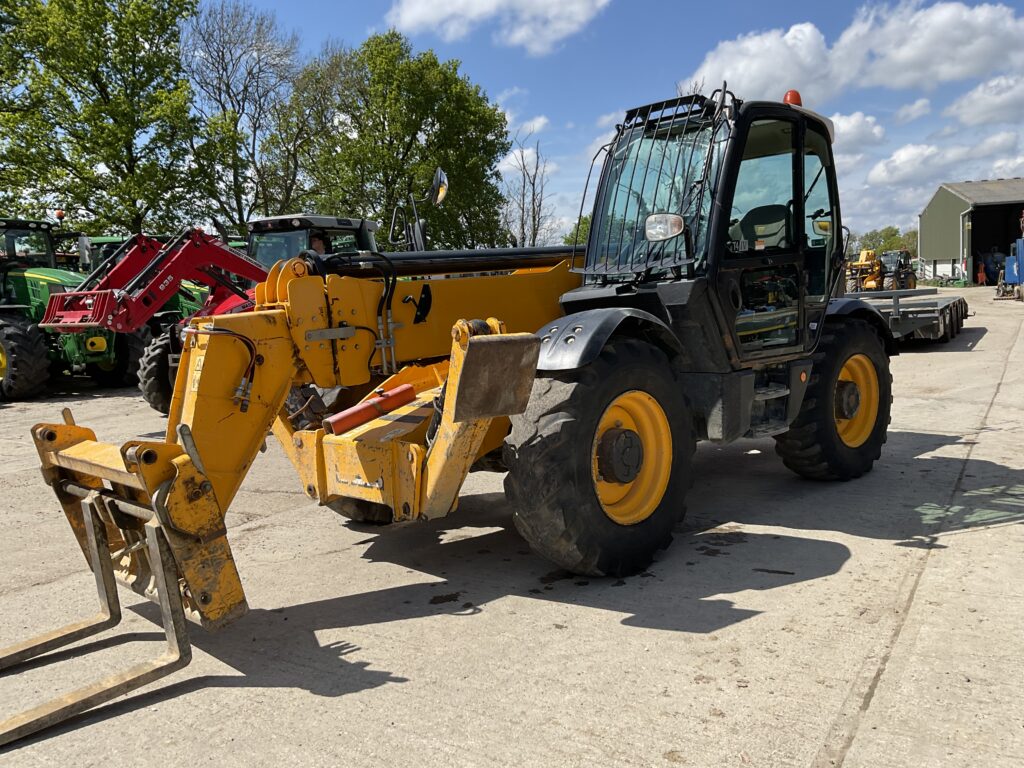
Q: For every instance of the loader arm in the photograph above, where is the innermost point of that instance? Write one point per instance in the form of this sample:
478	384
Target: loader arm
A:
125	295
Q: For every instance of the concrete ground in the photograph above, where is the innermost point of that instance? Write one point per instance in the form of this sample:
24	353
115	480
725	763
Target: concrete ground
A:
870	623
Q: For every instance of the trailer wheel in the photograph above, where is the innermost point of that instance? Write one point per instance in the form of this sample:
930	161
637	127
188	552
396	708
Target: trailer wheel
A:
155	380
362	511
24	361
124	370
599	464
947	327
844	418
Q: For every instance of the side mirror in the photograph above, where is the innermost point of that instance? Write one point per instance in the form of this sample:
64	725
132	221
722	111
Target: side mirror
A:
84	251
439	187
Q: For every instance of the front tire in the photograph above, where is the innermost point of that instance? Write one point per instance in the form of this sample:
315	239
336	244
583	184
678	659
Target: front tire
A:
128	351
24	359
600	462
838	433
155	381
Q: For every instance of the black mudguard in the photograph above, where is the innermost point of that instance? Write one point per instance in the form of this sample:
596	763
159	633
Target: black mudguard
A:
839	309
576	340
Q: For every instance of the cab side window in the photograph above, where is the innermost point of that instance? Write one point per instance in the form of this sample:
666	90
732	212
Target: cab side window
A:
819	222
762	205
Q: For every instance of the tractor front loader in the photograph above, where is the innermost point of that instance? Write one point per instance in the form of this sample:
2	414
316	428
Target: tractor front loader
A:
420	394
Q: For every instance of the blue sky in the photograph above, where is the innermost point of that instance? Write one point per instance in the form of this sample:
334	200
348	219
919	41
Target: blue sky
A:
921	92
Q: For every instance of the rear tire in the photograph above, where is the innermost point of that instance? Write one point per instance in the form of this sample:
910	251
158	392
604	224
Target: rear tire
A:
155	380
564	504
813	447
128	351
24	359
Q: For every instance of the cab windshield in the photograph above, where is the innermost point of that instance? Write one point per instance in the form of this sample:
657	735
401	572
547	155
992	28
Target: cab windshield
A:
28	245
661	162
268	248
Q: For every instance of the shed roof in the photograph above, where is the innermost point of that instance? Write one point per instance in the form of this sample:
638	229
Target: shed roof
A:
989	191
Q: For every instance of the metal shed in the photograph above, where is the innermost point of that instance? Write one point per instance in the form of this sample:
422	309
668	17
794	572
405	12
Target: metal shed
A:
964	221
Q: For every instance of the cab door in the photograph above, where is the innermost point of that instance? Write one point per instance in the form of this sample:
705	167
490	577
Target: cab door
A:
760	276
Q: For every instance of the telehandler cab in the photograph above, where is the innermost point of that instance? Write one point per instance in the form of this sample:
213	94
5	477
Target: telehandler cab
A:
700	309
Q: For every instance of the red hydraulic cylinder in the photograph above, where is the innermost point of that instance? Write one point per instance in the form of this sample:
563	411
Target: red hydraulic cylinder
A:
385	402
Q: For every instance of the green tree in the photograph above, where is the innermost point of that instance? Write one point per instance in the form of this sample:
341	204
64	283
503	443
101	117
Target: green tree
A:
579	232
383	119
238	91
108	135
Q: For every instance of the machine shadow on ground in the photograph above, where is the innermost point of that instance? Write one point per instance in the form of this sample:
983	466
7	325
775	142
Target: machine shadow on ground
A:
67	390
965	341
478	558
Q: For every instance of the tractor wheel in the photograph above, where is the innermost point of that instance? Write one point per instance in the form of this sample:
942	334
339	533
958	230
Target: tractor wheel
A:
600	462
889	283
851	285
911	281
24	360
155	380
362	511
844	418
124	370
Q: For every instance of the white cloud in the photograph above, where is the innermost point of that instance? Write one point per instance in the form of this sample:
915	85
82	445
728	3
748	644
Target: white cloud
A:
897	47
999	100
534	124
596	144
525	157
510	93
921	163
1008	167
856	131
910	112
610	119
536	25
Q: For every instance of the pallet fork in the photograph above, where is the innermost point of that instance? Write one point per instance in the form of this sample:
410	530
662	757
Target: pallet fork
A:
95	515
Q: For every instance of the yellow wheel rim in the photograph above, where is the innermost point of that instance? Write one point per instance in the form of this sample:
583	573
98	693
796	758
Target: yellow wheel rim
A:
855	431
628	503
3	362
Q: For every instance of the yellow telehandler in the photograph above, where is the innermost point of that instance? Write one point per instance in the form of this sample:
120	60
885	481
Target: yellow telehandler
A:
702	308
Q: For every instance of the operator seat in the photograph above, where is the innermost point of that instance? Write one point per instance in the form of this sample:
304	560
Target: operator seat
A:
769	223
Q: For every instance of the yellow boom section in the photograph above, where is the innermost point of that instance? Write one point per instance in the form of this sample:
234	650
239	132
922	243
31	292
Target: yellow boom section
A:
244	375
150	514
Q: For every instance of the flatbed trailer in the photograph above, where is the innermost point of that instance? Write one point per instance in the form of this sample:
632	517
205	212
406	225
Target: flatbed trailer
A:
911	316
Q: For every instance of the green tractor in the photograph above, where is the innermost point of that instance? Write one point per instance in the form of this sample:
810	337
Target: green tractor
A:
31	270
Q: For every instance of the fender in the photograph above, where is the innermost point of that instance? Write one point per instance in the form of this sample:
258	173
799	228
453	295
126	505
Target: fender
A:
839	309
576	340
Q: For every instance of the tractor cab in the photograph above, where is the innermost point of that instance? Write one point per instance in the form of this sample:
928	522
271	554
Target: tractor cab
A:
27	243
284	237
29	271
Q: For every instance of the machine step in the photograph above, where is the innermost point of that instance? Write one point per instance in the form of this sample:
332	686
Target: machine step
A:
768	428
770	392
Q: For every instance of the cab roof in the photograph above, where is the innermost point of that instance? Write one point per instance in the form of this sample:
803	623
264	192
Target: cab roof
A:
15	223
308	221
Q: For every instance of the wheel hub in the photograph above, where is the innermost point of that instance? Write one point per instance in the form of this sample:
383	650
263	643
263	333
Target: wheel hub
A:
620	455
847	399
